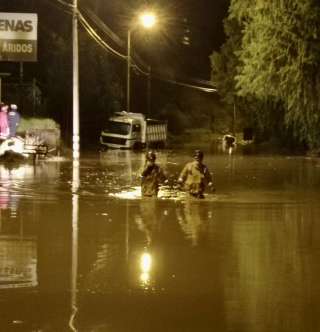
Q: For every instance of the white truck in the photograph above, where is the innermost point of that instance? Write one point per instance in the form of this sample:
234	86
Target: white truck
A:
133	131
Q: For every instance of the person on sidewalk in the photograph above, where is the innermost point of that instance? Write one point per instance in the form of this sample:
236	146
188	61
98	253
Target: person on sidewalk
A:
13	120
4	127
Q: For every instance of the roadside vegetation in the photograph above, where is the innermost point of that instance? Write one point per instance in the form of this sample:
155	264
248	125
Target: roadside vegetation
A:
36	123
269	67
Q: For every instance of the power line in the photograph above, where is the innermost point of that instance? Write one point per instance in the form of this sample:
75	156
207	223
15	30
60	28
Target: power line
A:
65	10
113	36
65	4
187	85
95	36
92	32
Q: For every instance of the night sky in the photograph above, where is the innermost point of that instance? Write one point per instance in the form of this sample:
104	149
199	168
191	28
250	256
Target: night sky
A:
199	20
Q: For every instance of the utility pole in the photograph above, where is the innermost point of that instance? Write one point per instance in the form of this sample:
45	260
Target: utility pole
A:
128	69
1	76
234	118
21	72
149	91
75	49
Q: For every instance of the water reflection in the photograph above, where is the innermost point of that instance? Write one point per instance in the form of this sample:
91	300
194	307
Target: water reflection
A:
18	261
148	221
8	200
96	263
126	165
74	242
145	267
194	219
29	240
18	247
271	265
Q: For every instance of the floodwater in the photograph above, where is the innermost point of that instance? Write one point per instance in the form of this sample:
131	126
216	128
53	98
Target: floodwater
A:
81	251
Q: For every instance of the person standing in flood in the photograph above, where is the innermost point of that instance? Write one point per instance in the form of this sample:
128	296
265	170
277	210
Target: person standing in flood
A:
195	176
228	143
151	177
13	120
4	127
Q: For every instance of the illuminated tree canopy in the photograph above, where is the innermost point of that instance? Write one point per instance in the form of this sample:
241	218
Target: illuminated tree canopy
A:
277	61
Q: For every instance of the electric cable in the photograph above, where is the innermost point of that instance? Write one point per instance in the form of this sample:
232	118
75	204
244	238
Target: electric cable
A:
187	85
97	38
56	5
90	30
65	4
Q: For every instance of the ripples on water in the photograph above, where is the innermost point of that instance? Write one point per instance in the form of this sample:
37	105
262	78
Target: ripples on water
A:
245	258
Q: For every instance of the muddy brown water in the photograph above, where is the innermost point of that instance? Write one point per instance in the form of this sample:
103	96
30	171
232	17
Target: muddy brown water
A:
81	251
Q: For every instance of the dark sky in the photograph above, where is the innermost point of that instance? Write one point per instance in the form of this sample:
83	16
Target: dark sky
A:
200	20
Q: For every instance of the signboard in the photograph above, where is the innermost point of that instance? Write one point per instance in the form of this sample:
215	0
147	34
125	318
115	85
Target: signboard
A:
18	37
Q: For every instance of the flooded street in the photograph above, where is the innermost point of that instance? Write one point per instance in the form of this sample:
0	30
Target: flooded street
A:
81	251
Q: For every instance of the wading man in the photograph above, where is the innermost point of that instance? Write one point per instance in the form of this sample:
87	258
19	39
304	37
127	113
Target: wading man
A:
151	177
195	176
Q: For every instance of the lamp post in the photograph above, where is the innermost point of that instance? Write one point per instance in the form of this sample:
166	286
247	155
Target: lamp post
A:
128	69
147	20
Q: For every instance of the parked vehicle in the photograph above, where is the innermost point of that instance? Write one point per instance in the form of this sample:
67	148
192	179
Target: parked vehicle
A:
133	131
35	143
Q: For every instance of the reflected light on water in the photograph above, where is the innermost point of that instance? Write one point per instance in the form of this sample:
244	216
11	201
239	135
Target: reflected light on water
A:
16	173
145	267
74	252
164	193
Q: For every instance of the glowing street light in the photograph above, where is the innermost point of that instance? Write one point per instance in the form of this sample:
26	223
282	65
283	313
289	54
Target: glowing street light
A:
147	20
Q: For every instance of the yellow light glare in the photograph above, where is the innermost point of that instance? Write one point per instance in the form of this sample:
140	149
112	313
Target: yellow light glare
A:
148	20
145	278
145	262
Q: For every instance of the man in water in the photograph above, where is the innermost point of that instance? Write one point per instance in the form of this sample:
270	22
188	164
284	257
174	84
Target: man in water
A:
228	143
151	176
195	176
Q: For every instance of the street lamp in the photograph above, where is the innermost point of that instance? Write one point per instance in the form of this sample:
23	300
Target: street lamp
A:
147	20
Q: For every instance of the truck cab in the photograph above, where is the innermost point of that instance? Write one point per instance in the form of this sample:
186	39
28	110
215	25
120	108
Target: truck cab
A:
131	131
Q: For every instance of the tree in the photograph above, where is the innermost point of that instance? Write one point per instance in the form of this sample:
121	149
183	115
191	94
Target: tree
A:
280	61
225	65
274	65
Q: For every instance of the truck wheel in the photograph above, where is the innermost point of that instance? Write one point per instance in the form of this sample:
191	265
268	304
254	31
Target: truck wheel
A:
137	146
